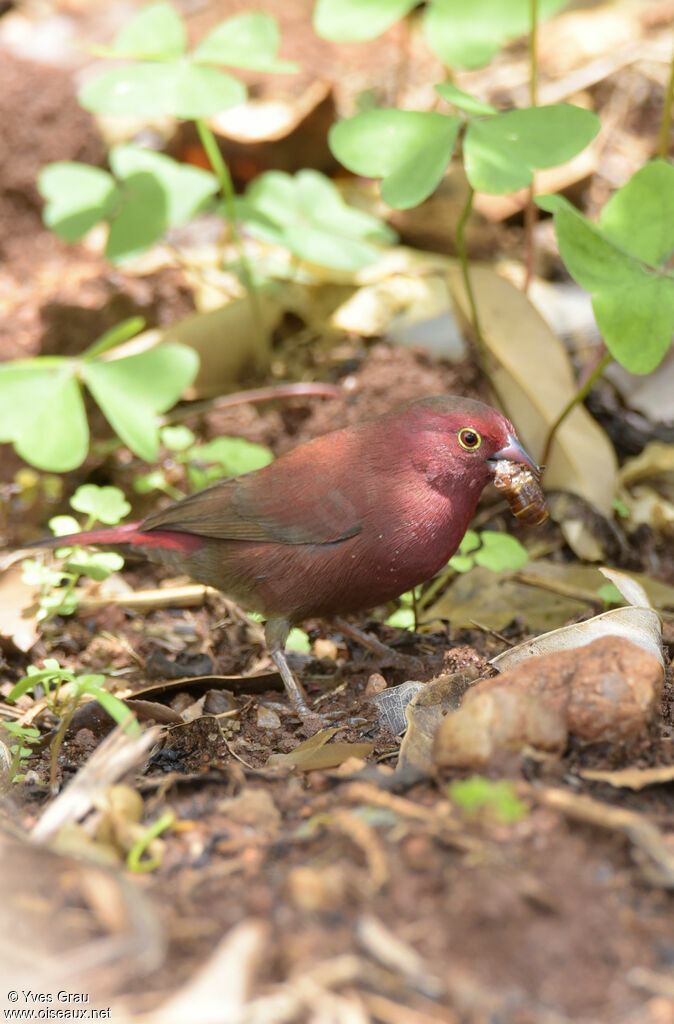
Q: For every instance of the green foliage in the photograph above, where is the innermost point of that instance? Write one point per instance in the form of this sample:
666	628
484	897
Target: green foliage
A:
63	692
495	551
407	149
404	617
462	33
62	699
103	504
625	264
57	594
26	737
355	21
478	795
468	33
42	407
298	641
410	150
148	194
205	463
226	456
501	152
169	81
308	216
610	595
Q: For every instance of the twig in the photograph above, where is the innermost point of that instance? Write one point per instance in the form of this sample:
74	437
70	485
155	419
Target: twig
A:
254	396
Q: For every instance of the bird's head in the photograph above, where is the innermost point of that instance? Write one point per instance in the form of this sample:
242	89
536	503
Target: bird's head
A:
453	438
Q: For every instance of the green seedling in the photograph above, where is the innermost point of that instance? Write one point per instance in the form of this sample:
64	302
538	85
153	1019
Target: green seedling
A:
147	193
624	261
204	463
57	586
136	859
26	737
42	405
63	692
461	33
479	797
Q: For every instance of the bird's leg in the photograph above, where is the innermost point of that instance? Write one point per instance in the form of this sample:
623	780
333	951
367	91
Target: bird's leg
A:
371	642
276	633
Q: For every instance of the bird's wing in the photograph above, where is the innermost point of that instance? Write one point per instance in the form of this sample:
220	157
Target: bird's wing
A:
262	507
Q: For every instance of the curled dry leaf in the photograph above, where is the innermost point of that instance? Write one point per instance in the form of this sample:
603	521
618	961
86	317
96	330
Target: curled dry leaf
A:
638	623
424	713
647	487
18	621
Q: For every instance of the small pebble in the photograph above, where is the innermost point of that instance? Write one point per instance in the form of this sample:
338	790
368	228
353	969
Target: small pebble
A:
375	684
267	719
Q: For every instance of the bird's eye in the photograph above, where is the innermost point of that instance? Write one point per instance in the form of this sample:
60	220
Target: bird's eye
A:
469	439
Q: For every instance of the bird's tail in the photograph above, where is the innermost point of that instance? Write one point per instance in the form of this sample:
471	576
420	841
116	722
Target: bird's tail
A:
127	533
129	536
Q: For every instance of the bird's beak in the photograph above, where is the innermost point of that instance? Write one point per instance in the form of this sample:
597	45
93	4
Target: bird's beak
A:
514	452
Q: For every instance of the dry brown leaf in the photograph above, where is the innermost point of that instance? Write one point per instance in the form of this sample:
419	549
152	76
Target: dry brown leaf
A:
647	487
18	622
495	599
315	754
535	377
424	713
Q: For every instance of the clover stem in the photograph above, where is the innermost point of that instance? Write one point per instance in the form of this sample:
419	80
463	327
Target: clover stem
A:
580	395
221	171
666	119
531	210
478	337
439	581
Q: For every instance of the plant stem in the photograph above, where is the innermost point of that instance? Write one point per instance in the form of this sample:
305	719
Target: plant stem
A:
439	581
666	119
531	210
478	337
221	171
272	393
56	744
579	396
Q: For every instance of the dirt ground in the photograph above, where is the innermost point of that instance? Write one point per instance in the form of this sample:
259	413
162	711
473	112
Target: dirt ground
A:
339	892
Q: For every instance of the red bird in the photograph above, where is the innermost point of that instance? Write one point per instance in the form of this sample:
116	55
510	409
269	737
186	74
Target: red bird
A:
348	521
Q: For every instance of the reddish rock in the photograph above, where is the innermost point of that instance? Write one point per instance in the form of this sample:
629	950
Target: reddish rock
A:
604	692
